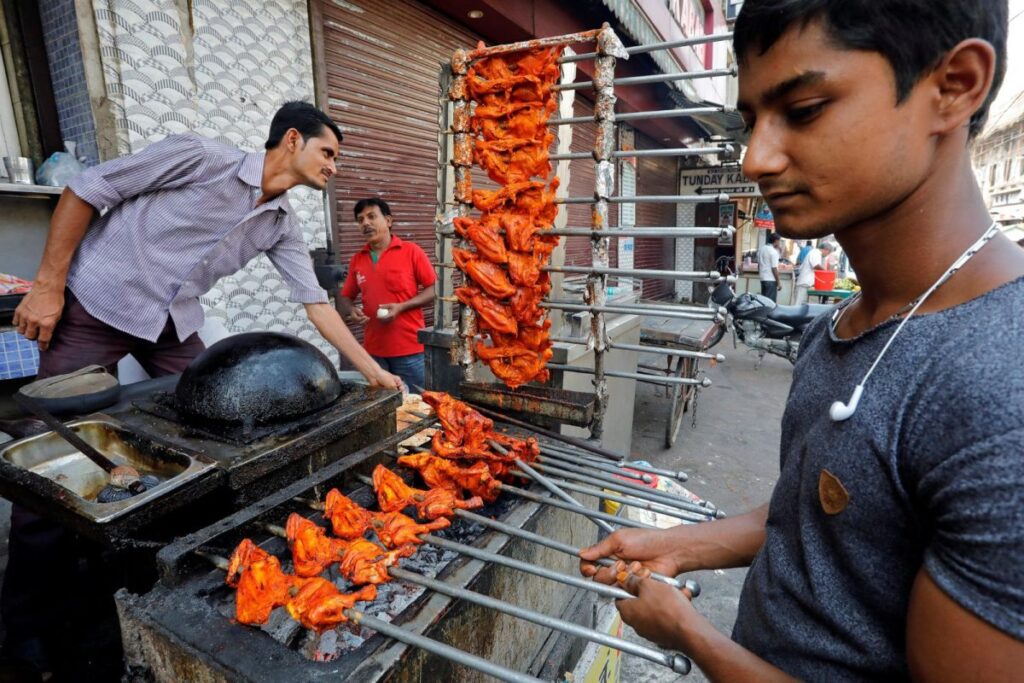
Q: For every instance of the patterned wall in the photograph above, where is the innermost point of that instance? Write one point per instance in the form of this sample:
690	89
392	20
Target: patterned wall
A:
221	72
64	54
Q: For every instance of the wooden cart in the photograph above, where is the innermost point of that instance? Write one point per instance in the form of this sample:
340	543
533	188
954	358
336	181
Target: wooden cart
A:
685	335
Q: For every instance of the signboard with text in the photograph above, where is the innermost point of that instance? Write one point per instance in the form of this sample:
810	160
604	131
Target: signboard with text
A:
712	181
763	218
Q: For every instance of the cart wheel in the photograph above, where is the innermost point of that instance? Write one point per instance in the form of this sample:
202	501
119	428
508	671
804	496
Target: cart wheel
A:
685	367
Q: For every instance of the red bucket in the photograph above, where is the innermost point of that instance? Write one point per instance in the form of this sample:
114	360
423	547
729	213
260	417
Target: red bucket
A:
824	280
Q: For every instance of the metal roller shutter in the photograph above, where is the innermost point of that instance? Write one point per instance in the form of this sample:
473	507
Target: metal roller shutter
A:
382	62
655	176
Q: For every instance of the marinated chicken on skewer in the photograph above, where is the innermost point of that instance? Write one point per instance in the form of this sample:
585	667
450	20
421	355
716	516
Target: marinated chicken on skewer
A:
467	435
359	560
261	586
348	519
366	562
259	582
393	495
484	236
319	605
493	315
490	278
395	529
439	472
312	550
514	102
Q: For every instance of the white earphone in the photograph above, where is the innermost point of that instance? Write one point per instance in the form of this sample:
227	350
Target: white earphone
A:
840	411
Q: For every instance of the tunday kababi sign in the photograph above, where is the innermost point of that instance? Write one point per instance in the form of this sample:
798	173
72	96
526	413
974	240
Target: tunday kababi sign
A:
712	181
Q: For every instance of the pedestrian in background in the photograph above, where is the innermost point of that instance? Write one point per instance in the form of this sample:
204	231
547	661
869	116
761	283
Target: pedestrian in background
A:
768	266
805	274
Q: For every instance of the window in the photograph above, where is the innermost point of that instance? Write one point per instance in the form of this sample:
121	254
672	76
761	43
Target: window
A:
1007	170
991	175
1020	168
9	144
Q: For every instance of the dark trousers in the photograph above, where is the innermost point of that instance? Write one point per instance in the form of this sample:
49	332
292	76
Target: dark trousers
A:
49	569
770	289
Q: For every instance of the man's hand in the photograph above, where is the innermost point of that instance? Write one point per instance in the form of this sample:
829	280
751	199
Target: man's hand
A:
392	312
355	316
382	378
37	314
652	547
660	613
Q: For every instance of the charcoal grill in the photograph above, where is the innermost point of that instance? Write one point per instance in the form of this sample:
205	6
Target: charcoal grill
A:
182	629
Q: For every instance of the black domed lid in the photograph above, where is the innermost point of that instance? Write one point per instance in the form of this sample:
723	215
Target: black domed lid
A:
257	377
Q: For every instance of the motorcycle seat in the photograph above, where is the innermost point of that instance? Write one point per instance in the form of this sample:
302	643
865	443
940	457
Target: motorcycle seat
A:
798	317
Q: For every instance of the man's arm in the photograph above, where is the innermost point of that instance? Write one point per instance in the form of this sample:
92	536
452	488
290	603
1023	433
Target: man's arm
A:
723	543
351	313
329	324
665	616
945	642
39	311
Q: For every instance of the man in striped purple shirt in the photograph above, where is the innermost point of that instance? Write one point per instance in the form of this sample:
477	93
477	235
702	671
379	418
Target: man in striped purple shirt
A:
133	244
136	241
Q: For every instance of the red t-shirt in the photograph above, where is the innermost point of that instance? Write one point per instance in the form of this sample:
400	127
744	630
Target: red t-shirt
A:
399	274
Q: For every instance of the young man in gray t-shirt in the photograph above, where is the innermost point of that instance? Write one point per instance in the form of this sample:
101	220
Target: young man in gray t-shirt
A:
893	545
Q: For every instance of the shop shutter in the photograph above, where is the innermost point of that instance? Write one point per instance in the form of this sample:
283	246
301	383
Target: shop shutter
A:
655	176
383	62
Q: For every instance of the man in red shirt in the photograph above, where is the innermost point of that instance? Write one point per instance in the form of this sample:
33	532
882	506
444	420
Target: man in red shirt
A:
396	280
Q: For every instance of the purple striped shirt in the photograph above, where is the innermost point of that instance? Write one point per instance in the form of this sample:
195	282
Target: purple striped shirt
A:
175	218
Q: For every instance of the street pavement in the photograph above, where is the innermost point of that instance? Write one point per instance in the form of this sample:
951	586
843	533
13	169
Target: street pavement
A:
732	458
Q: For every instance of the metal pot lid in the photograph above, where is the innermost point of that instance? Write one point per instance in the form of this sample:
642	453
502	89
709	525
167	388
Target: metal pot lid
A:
255	378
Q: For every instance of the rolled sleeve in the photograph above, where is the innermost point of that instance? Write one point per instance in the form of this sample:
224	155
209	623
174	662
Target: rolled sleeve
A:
170	163
291	258
976	554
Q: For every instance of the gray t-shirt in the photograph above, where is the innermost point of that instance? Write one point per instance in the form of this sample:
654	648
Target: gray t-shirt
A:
932	465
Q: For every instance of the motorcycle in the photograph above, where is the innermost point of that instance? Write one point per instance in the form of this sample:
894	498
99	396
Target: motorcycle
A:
760	323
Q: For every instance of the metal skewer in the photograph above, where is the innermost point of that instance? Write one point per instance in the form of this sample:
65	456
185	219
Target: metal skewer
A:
634	490
543	481
415	639
508	530
677	663
632	464
687	517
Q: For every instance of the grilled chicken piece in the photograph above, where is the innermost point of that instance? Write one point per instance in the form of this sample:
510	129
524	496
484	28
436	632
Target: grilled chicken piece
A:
366	562
395	529
438	472
348	519
484	236
259	582
261	586
393	495
523	269
489	276
318	604
312	550
514	160
493	315
359	560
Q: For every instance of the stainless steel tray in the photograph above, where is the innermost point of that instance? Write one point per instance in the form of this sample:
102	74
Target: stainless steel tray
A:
46	472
